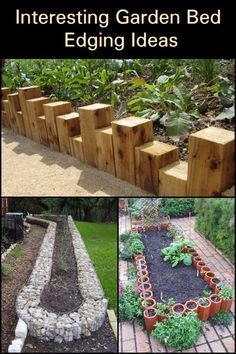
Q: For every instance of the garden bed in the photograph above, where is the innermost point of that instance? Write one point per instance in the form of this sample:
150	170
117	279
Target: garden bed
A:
181	282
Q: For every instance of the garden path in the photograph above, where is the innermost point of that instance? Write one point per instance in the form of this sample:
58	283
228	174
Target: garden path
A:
31	169
132	337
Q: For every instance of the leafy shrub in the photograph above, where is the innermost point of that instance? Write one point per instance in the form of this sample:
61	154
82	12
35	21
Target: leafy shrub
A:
174	253
163	309
226	292
17	252
131	244
6	269
215	220
177	206
129	304
222	318
179	332
129	235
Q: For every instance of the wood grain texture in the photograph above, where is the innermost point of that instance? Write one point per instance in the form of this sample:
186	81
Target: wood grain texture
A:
68	125
105	150
93	117
51	111
173	179
4	92
42	129
35	109
76	147
14	103
211	162
20	123
127	134
149	158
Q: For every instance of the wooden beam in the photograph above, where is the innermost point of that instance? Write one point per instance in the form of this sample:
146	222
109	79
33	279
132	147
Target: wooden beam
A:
92	117
51	111
4	118
27	93
4	92
211	162
68	125
35	109
20	123
127	134
76	147
42	129
6	108
173	179
105	150
14	104
149	158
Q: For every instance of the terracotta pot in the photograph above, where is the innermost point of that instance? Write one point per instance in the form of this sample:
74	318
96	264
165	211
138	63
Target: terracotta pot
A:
204	270
195	254
214	284
204	310
215	305
179	309
164	226
200	264
226	304
145	280
144	273
195	260
136	222
208	276
150	318
148	293
147	286
191	306
190	250
140	263
138	256
139	228
148	302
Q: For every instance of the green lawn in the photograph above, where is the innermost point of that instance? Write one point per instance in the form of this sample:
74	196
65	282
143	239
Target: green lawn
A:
101	243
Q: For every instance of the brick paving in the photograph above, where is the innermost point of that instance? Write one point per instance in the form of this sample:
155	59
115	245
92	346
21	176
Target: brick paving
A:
133	337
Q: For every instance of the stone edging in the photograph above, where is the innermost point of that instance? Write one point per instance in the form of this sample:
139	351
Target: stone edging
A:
48	325
3	256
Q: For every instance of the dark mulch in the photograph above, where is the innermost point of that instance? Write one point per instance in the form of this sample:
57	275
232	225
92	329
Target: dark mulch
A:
13	284
62	294
180	283
100	341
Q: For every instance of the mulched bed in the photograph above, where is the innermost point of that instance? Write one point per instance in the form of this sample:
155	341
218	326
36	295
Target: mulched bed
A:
13	284
100	341
62	294
181	282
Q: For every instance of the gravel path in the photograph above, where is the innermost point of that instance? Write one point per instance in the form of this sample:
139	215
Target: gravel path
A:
30	169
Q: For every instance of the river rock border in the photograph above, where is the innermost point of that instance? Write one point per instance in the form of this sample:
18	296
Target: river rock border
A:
67	327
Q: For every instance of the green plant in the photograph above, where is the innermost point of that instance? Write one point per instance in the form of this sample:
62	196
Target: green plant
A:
17	252
6	269
179	332
177	206
206	293
222	318
129	304
226	292
125	236
132	273
215	220
132	245
174	253
163	309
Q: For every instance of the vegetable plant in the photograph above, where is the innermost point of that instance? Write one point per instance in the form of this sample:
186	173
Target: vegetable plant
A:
174	253
226	292
163	309
179	332
129	304
222	318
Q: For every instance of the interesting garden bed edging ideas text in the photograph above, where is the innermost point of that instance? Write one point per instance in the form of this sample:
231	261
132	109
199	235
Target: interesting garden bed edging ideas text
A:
66	327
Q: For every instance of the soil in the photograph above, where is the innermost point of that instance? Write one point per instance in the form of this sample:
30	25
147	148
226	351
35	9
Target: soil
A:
179	309
180	283
62	294
13	284
215	298
191	306
216	280
100	341
151	313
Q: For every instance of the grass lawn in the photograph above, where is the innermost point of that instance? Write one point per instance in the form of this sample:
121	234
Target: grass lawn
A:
101	244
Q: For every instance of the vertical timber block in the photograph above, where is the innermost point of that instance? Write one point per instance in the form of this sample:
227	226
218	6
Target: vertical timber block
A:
42	129
173	179
14	103
51	111
27	93
4	92
93	117
105	150
20	123
6	108
3	118
68	125
211	162
149	158
35	109
76	147
127	134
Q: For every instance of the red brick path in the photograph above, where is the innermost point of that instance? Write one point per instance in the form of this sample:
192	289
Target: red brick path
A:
132	336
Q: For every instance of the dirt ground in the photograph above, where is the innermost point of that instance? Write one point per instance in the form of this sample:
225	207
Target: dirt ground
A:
12	285
30	169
